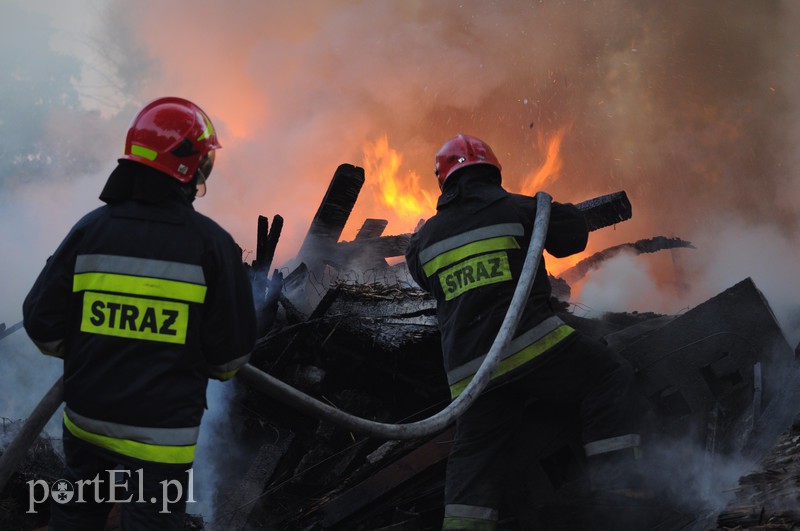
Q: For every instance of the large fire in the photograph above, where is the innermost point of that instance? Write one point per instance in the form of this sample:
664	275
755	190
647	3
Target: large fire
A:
549	170
407	201
404	202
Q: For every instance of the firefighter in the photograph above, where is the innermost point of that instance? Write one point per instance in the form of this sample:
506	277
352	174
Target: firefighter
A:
469	256
144	300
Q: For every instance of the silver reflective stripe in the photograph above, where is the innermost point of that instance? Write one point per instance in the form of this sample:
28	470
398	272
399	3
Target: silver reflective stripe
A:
158	436
142	267
231	365
470	511
454	242
519	343
612	444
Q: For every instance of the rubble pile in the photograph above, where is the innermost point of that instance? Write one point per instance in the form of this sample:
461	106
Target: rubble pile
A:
365	340
41	462
767	498
342	325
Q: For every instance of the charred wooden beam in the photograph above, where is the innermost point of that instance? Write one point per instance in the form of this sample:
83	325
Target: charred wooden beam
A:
649	245
30	430
370	253
331	217
372	228
606	210
388	479
267	241
258	475
5	332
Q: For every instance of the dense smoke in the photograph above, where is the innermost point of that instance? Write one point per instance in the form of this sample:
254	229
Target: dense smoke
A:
687	107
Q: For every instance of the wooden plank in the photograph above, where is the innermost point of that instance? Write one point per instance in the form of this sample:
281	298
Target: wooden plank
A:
331	217
372	228
389	478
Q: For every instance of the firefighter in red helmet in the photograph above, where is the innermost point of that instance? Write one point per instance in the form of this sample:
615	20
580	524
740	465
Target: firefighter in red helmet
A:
145	299
469	256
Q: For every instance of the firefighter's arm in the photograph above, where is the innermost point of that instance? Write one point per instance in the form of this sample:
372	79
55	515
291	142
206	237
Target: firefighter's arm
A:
412	262
567	233
45	310
229	327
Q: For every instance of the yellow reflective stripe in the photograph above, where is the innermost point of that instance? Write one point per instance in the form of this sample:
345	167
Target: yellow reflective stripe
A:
225	375
208	131
473	273
470	249
145	153
523	356
468	524
135	318
146	452
146	286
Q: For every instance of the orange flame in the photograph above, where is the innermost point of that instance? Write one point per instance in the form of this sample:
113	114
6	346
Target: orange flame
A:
404	196
551	166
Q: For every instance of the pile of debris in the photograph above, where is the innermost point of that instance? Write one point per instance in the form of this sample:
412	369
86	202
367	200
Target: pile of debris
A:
41	462
349	329
358	334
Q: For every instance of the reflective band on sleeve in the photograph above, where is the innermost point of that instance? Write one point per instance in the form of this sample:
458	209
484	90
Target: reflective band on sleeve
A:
519	358
457	523
471	511
612	444
473	273
145	153
146	452
471	249
229	370
145	286
483	233
141	267
470	517
135	318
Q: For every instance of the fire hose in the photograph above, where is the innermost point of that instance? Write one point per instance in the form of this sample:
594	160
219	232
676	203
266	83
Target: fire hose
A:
298	400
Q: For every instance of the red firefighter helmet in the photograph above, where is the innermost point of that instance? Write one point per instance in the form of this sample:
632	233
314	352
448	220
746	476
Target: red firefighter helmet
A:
460	151
174	136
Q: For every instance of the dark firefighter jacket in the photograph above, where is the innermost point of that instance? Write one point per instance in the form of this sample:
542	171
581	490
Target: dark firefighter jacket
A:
469	256
145	299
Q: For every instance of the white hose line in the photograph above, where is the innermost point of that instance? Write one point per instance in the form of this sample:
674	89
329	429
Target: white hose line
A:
301	401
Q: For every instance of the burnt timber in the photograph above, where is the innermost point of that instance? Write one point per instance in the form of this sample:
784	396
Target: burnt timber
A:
368	343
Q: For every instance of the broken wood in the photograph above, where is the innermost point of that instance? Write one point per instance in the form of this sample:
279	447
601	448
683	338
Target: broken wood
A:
267	241
5	332
391	477
331	217
372	228
649	245
606	210
33	426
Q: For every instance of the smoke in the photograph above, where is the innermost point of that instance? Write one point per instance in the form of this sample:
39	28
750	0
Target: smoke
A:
687	107
687	475
623	283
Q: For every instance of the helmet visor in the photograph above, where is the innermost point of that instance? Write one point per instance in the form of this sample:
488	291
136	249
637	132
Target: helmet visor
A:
203	172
